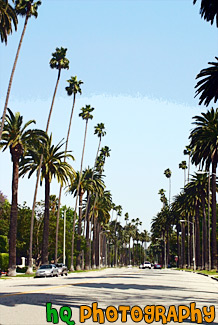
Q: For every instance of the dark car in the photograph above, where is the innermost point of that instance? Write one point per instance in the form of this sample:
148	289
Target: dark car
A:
157	266
62	269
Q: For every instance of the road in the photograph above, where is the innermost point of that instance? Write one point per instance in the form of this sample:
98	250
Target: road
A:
23	300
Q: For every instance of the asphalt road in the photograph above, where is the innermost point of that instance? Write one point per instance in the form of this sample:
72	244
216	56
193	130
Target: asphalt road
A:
23	300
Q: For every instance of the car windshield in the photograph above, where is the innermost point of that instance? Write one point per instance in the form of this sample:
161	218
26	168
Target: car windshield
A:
58	265
45	267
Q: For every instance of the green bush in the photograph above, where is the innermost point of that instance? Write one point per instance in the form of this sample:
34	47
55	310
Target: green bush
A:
3	244
4	261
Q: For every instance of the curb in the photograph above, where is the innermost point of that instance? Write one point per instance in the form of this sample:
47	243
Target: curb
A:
209	276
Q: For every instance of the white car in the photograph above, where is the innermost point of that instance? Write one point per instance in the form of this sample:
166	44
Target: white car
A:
146	265
47	270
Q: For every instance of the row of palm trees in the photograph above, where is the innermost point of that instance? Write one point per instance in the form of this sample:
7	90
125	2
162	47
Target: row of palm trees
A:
32	150
193	204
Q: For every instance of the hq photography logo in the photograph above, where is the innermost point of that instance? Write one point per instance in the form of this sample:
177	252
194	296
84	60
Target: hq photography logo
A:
149	314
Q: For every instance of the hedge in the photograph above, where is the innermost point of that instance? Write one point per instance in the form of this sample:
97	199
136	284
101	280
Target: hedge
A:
4	261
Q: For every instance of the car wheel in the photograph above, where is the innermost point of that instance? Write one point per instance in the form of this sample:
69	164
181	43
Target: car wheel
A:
57	275
62	274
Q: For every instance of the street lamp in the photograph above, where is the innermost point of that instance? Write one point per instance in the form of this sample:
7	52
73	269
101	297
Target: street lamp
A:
183	221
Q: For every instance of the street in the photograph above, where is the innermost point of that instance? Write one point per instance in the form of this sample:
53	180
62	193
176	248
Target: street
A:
23	300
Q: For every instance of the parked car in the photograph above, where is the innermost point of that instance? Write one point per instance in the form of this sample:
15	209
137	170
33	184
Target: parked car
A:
62	269
157	266
145	265
47	270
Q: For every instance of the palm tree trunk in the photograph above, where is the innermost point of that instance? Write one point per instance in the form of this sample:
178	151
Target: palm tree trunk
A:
183	246
178	246
79	181
188	241
46	223
12	75
78	259
88	242
87	255
13	218
204	237
97	256
53	98
213	234
94	244
168	247
60	191
197	237
29	270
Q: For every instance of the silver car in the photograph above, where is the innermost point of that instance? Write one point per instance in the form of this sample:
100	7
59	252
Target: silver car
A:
47	270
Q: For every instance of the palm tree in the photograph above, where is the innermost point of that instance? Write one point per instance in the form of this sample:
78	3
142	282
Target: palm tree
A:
17	138
100	209
73	88
53	165
8	15
86	115
187	152
207	86
205	152
25	8
99	130
59	62
183	166
168	174
209	10
126	217
100	161
88	183
198	186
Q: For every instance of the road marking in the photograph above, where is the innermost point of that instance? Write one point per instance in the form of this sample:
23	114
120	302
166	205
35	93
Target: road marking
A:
44	289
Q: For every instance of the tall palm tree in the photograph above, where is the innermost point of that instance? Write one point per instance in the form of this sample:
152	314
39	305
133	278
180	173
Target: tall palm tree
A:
59	62
126	217
73	88
168	174
204	145
53	165
198	187
88	183
209	10
187	152
183	166
100	131
99	167
25	8
100	209
86	115
7	16
207	86
17	138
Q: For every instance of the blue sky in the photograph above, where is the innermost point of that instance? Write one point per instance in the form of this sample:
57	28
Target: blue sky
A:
138	61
